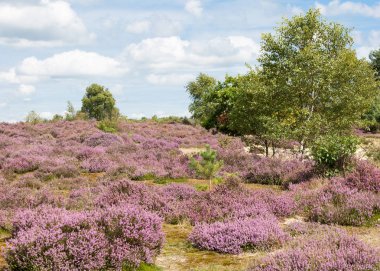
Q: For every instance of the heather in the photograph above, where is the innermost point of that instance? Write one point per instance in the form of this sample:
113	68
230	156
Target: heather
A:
235	236
55	239
337	203
66	184
323	250
365	177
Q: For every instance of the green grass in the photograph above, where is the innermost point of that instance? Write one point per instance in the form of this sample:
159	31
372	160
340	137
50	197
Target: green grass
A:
168	180
178	254
149	267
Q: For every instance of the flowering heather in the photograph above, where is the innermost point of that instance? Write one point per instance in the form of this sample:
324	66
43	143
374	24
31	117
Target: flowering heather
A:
97	164
276	171
337	203
365	177
232	201
325	250
55	239
235	236
128	192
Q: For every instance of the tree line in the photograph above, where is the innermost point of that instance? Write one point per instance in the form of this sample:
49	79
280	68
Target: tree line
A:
308	84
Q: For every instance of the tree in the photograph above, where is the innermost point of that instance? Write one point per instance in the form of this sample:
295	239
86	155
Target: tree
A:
70	112
374	57
33	117
211	100
371	118
252	114
313	79
208	166
98	103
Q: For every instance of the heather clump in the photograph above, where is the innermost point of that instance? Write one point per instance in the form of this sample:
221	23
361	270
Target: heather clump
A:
56	239
127	192
336	203
365	176
277	171
236	236
323	250
230	201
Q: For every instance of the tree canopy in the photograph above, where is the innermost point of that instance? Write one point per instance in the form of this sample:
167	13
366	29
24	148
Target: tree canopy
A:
98	102
308	82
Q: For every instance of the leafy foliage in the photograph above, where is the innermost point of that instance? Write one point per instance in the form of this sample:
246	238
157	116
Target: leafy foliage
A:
334	152
98	103
208	166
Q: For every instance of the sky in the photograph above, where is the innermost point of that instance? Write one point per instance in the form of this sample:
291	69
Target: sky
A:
145	51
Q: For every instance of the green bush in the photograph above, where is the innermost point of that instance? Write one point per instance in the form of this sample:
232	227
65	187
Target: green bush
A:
333	153
208	165
108	125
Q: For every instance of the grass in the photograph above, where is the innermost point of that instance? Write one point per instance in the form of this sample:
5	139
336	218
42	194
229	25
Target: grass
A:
3	236
178	254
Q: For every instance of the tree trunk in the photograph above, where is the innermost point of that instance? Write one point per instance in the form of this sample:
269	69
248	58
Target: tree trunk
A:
266	148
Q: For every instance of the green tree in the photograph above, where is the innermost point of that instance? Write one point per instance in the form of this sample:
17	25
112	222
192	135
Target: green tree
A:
70	112
98	103
208	166
33	117
211	100
252	114
313	79
371	118
374	57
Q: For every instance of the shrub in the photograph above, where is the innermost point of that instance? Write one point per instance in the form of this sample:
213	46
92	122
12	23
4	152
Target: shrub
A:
365	177
21	164
326	250
128	192
338	204
97	164
108	125
279	172
55	239
235	236
208	166
334	152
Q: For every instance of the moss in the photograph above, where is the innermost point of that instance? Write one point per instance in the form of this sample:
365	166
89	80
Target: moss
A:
168	180
178	254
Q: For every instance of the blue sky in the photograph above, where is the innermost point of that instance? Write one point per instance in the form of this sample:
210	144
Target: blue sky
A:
143	51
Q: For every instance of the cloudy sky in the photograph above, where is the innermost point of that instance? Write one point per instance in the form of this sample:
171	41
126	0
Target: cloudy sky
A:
143	51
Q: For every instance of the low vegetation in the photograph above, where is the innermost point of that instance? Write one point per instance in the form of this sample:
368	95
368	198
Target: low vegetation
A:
92	190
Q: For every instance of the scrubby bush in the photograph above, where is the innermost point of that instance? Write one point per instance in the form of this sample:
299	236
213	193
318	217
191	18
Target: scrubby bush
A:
55	239
337	203
97	164
208	165
280	172
334	152
365	177
236	236
127	192
21	163
325	250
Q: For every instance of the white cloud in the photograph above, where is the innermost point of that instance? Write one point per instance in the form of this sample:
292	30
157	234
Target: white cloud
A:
337	7
367	44
74	63
139	27
3	104
46	115
166	54
26	89
41	23
194	7
169	79
156	25
12	77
